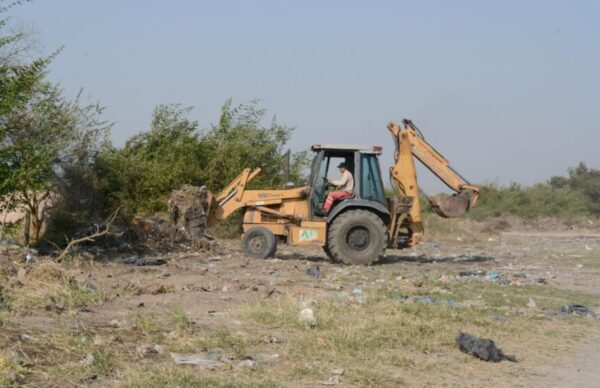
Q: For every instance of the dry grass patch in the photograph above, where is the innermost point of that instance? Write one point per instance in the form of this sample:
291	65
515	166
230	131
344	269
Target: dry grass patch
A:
46	283
163	376
448	229
392	334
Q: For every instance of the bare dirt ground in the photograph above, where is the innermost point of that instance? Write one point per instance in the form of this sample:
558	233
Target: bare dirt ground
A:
105	323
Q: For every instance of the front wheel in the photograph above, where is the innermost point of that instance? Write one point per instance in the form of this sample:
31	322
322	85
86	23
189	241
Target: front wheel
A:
259	242
357	237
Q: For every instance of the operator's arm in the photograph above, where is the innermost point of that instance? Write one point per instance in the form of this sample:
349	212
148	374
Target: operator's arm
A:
342	181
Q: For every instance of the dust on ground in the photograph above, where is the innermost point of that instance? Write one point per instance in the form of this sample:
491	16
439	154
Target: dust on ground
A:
120	322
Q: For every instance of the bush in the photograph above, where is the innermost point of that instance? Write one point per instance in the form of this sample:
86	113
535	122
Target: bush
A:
139	177
528	202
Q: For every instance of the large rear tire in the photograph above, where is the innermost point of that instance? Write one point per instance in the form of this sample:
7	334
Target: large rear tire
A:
259	243
357	237
328	252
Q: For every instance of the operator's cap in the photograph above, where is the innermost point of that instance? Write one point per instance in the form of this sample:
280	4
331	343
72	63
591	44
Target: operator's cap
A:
343	164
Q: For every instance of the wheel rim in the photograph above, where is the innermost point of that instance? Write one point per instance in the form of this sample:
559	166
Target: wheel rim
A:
358	238
257	244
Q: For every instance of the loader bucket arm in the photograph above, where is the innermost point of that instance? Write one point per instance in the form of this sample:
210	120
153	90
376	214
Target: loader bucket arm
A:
229	199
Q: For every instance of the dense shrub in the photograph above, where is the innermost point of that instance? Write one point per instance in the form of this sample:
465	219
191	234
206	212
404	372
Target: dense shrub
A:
139	177
538	200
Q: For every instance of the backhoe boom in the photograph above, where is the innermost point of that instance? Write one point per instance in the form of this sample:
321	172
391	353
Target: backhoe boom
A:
410	144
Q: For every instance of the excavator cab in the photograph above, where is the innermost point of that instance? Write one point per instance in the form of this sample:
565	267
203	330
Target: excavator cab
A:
363	164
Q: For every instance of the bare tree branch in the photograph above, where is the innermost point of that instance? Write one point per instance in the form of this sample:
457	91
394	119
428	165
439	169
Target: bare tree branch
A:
72	243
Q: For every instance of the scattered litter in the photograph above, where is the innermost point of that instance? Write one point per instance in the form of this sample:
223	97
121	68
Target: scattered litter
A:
579	266
115	323
577	309
88	360
269	358
472	273
314	271
452	304
307	317
270	291
338	371
219	257
198	360
147	350
141	261
214	355
28	258
357	297
423	299
90	286
249	362
493	276
26	337
273	340
541	281
333	380
484	349
531	303
428	300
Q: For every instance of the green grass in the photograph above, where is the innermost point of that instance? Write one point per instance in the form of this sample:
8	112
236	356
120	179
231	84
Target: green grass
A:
180	319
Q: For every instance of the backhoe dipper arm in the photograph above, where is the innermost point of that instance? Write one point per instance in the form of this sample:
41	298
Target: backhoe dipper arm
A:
410	144
437	164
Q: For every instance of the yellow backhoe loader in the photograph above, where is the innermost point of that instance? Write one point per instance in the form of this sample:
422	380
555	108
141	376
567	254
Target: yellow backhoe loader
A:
358	229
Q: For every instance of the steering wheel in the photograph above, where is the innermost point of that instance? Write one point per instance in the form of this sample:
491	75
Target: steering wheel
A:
326	184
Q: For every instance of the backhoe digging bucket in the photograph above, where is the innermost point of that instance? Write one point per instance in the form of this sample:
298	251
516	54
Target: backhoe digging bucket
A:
453	206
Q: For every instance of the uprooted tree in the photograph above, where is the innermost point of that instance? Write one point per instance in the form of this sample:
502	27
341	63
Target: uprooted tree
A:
189	211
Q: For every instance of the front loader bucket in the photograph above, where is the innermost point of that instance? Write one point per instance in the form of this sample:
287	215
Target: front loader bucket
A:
453	206
189	208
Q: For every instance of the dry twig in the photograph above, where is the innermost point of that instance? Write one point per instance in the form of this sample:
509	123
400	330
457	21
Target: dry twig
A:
91	237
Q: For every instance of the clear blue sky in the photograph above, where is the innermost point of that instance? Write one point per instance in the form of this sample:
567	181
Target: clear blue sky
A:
507	90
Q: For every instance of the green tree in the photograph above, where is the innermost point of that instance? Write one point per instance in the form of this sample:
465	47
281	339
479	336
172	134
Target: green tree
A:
141	175
17	81
583	180
40	141
240	140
